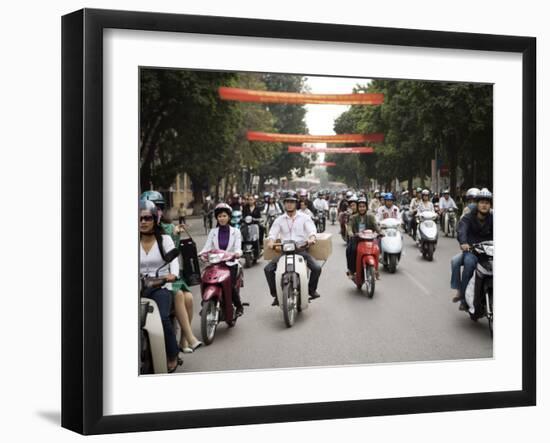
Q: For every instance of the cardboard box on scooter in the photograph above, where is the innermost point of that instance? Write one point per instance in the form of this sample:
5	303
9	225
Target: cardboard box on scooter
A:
321	250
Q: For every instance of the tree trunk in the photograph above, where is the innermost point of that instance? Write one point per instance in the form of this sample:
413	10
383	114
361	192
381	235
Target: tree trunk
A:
452	154
410	184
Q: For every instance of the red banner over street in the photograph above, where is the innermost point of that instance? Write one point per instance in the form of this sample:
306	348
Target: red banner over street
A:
324	164
302	138
354	150
248	95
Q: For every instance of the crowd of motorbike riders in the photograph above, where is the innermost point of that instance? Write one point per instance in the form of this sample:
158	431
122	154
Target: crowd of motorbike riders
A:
300	216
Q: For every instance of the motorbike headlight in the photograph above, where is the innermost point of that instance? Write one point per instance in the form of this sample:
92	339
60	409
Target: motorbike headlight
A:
214	258
289	247
489	249
429	223
248	219
391	233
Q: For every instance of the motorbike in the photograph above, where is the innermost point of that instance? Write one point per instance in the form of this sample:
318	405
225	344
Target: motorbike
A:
293	274
333	212
320	220
449	222
250	232
426	233
366	261
151	340
391	244
236	218
406	216
479	292
217	293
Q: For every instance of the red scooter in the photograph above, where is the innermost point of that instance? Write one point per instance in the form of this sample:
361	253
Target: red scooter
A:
366	260
216	293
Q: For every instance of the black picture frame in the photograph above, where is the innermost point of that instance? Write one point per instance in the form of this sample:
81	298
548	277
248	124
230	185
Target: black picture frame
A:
82	187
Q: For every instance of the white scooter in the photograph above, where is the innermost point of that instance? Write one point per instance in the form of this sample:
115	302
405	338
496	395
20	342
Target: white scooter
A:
427	233
391	243
293	274
151	342
449	222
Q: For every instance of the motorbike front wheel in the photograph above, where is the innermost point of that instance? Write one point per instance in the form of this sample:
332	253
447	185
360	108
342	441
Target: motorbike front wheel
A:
209	321
392	263
248	260
489	310
369	280
429	252
289	305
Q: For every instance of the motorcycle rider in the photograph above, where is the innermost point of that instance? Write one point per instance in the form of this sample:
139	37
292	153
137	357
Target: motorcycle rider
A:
320	203
470	201
293	225
375	203
405	200
357	223
227	238
272	208
389	210
352	205
419	206
207	210
250	208
302	195
474	227
343	204
305	210
236	202
445	202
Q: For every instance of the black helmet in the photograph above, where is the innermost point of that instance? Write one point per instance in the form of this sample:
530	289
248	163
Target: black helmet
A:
290	195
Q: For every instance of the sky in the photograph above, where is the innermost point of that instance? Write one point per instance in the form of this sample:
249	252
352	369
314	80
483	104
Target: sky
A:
320	118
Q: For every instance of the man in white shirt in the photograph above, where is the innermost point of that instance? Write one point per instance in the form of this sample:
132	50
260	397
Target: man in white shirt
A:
320	204
445	202
293	225
389	210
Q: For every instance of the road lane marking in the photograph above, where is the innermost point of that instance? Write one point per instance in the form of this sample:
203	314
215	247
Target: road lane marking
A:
423	288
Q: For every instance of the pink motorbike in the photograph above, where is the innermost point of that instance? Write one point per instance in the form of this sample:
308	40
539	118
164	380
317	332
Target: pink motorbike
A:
216	293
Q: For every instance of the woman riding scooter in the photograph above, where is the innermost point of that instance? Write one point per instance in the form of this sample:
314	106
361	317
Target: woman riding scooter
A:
227	238
357	223
153	246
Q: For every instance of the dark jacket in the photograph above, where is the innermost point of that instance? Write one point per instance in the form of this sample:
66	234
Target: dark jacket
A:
470	230
256	213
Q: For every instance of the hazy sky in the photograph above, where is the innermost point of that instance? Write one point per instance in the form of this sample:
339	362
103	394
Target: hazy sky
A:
320	118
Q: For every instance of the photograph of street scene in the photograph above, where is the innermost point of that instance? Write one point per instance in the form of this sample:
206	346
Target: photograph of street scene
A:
291	221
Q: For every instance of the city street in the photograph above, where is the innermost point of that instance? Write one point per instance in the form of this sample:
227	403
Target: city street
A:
410	318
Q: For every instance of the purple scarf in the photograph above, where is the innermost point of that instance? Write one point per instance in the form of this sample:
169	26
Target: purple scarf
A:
223	237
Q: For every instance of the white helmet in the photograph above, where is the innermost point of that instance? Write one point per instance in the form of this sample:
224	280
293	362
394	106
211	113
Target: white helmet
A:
472	193
484	194
425	192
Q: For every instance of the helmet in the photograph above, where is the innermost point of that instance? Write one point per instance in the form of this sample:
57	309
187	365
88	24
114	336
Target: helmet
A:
222	207
404	192
236	195
389	196
266	194
301	192
291	196
425	192
446	191
361	200
484	194
353	198
154	196
148	205
472	192
349	194
419	189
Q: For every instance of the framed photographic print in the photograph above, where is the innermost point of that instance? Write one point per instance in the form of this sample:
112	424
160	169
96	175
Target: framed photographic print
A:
269	221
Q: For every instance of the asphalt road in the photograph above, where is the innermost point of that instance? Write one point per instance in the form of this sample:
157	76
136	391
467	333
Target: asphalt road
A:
410	318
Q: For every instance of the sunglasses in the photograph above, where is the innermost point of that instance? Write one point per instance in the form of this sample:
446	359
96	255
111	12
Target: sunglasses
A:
147	218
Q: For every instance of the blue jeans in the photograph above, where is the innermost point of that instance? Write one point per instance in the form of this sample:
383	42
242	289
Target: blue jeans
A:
163	299
456	263
470	263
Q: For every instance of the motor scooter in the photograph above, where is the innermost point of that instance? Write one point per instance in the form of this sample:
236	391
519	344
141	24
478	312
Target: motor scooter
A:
391	244
333	213
217	293
406	216
427	233
293	274
151	340
479	292
321	220
366	261
250	232
449	222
